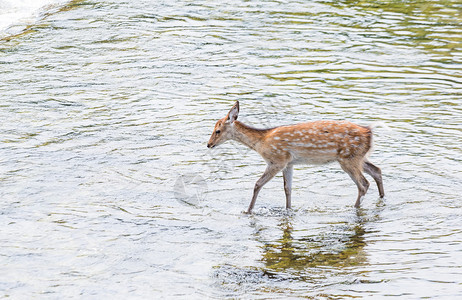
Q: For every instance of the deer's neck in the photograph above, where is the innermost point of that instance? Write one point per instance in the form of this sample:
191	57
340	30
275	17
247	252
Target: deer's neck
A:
249	136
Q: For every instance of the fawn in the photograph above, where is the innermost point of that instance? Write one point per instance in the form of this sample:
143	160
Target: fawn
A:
317	142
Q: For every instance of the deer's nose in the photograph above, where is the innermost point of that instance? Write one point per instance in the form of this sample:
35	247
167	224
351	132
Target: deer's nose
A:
208	145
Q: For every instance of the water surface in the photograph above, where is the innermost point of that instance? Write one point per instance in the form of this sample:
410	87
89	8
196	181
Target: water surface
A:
108	189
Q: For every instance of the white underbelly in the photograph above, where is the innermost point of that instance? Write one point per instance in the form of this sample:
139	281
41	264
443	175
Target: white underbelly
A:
313	157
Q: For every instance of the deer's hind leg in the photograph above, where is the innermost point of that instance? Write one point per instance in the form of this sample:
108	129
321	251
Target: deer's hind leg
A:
376	173
353	168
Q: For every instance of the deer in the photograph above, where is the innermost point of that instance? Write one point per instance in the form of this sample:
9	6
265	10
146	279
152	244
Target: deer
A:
315	142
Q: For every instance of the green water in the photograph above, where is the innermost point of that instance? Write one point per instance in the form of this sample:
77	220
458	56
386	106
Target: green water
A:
108	188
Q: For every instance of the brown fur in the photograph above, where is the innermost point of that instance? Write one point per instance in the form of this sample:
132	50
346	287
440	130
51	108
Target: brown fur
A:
315	142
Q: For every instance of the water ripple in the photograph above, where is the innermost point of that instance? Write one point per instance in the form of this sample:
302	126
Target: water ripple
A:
106	104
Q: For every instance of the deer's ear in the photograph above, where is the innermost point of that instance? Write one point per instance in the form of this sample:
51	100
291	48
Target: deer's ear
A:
233	113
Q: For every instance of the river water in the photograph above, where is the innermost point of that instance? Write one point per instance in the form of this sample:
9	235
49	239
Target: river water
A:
108	190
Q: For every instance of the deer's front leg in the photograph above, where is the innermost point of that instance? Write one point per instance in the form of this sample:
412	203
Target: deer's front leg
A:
270	172
287	175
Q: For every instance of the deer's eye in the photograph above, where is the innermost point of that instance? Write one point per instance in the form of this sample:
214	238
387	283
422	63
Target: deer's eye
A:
218	131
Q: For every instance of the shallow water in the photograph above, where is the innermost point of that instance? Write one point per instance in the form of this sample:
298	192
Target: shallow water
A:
108	189
18	15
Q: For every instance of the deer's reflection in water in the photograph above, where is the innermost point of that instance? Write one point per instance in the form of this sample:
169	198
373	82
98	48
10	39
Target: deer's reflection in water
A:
306	254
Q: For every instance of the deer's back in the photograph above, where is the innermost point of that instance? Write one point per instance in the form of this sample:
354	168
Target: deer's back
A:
318	141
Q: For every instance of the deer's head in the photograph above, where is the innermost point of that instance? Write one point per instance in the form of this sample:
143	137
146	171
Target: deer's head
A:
223	130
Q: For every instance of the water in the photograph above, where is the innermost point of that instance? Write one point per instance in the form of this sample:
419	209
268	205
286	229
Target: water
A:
108	189
18	15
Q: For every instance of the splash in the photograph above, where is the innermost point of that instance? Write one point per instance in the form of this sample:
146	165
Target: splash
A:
16	15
